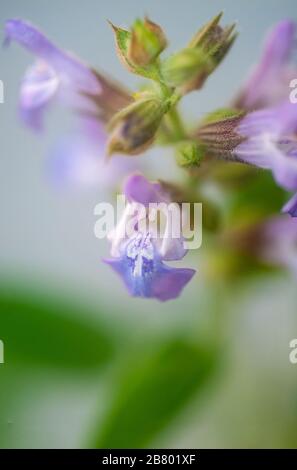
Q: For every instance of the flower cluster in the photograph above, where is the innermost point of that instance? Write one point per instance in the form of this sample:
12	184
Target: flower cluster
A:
258	128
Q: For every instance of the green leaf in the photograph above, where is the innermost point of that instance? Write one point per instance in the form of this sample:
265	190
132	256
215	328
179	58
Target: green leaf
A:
152	390
51	332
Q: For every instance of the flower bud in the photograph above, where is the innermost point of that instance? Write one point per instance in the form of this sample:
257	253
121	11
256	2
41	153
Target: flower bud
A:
139	48
147	42
133	129
187	69
189	153
214	40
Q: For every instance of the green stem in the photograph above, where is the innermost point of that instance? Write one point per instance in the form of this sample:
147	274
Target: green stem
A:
176	123
173	120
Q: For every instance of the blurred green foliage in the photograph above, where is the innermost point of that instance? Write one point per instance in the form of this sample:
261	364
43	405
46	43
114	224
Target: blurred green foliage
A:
151	379
151	390
150	382
50	332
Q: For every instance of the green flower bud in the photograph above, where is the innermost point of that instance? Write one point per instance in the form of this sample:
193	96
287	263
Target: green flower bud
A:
214	40
133	128
190	153
187	69
147	42
139	48
206	34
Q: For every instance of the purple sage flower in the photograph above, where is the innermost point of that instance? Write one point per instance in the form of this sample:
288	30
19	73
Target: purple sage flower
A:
56	75
139	258
291	206
278	242
269	141
269	82
266	138
78	158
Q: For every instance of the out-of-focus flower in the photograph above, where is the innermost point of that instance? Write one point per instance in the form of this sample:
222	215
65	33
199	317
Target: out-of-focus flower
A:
278	242
269	82
59	75
271	241
291	206
56	74
264	138
77	159
139	257
270	142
